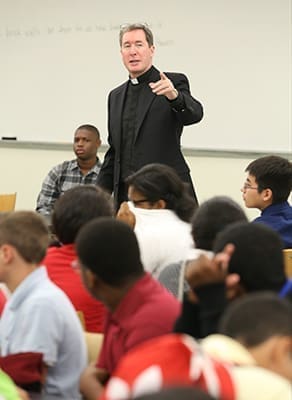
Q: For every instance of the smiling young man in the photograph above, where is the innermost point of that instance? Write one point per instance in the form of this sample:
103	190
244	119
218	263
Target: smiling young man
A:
84	169
146	115
267	187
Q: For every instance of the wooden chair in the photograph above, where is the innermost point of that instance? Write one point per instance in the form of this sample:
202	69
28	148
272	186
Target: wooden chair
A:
7	202
287	253
93	345
93	340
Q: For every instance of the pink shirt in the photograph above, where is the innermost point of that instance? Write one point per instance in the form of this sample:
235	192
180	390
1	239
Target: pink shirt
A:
148	310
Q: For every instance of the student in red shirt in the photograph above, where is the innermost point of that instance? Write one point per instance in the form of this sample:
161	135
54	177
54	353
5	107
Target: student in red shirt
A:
138	306
72	210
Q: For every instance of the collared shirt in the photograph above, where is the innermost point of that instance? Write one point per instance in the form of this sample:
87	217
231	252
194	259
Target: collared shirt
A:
39	317
61	178
279	217
147	310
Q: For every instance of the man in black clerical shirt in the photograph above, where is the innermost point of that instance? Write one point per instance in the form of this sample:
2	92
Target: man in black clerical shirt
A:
146	115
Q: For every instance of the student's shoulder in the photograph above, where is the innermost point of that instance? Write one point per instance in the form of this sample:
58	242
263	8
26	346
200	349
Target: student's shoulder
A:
63	166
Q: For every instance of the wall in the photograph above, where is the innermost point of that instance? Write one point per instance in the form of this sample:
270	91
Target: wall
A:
60	58
23	171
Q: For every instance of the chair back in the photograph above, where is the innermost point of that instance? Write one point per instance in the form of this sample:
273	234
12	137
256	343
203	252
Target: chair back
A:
287	253
7	202
93	345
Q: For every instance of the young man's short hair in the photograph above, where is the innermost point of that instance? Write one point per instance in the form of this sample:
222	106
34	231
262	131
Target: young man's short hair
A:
272	172
90	128
76	207
109	248
258	255
27	231
255	317
213	216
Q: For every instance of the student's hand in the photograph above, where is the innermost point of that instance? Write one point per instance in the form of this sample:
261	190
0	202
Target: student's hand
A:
164	87
125	214
23	395
206	271
90	385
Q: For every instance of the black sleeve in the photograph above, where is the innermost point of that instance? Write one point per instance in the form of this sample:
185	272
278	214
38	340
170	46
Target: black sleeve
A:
201	319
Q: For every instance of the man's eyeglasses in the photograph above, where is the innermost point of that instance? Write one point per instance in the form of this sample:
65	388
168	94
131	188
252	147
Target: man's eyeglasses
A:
247	186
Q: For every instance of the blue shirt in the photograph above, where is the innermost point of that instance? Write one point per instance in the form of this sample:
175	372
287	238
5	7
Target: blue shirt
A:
39	317
279	217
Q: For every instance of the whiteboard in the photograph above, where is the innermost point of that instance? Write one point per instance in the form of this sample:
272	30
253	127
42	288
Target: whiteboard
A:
60	59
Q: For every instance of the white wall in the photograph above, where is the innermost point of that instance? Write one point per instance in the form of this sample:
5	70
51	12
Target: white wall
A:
60	58
23	171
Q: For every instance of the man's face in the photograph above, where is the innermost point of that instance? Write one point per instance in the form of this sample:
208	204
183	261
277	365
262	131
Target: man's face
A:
86	144
251	196
136	53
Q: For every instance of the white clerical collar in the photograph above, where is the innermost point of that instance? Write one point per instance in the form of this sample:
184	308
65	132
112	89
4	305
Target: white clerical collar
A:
134	81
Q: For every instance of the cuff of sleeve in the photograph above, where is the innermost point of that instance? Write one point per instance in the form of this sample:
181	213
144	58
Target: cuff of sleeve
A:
177	104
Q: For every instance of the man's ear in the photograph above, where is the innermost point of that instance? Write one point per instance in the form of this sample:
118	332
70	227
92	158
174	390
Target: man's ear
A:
90	279
6	253
267	195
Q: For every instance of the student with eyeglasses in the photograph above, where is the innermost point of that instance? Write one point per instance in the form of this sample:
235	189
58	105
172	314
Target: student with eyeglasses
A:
159	210
267	187
146	115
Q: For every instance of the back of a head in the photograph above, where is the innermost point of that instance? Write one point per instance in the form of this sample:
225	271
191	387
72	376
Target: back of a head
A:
257	258
175	393
161	182
76	207
27	231
254	318
213	216
109	248
272	172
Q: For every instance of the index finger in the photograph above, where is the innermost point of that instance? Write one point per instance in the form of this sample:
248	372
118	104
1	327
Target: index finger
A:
163	76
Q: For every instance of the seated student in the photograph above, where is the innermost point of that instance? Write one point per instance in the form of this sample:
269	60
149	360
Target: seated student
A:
255	329
248	257
38	317
174	359
159	210
167	361
82	170
257	258
267	187
211	217
71	211
138	307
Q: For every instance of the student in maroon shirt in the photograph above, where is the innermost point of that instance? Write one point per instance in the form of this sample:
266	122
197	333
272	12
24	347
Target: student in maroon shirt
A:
138	306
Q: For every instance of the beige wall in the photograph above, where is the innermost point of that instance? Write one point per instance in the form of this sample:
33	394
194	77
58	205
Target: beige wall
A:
23	170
